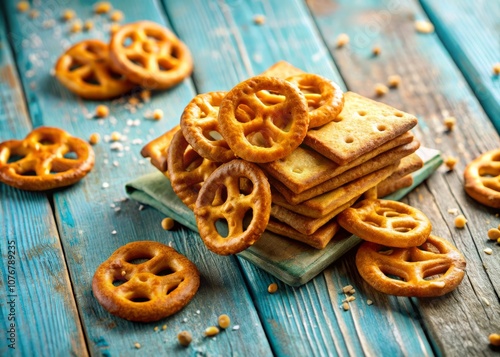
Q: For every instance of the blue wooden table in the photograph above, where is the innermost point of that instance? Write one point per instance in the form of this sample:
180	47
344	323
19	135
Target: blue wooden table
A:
59	239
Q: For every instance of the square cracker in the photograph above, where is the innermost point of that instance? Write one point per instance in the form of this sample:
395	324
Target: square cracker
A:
324	204
318	239
282	69
304	168
382	160
362	125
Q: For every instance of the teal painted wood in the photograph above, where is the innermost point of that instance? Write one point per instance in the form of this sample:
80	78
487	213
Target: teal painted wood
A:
302	321
433	88
88	214
38	314
470	31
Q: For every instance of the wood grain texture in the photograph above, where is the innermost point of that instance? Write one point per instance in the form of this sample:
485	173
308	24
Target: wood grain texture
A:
432	87
94	221
470	32
38	314
303	321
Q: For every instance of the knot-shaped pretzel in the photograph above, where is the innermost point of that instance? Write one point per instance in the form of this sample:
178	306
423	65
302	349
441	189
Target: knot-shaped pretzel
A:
150	55
324	98
47	158
390	223
200	127
432	269
236	190
85	69
145	281
187	170
263	119
482	179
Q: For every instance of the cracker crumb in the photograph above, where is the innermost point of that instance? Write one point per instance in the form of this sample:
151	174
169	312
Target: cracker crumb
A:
34	14
184	338
488	251
88	25
224	321
157	114
342	40
453	211
137	345
68	15
496	69
494	339
76	26
450	162
101	111
94	138
105	185
156	329
393	81
23	6
145	95
272	288
494	234
211	331
116	16
123	273
102	7
164	327
369	302
259	19
236	327
460	221
347	288
345	306
115	136
350	298
352	291
381	89
423	26
376	50
167	223
113	232
449	123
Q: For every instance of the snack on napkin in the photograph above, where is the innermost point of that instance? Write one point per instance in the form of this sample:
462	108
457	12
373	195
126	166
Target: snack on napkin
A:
150	55
86	70
146	291
47	158
362	126
482	179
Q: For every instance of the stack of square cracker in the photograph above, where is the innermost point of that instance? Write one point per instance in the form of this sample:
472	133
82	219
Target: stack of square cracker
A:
368	146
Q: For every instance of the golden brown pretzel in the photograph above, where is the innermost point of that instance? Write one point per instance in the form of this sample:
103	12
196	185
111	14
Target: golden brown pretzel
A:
222	198
390	223
47	158
150	55
201	128
145	291
432	269
85	69
482	179
157	149
324	98
263	119
187	170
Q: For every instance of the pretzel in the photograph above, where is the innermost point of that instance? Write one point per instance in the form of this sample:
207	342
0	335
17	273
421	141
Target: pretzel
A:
47	158
482	179
187	169
200	127
157	149
391	223
432	269
263	119
145	291
85	70
150	55
222	198
324	98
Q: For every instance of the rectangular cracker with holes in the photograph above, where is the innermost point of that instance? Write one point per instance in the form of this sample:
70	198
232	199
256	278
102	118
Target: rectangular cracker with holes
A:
304	168
319	239
382	160
362	125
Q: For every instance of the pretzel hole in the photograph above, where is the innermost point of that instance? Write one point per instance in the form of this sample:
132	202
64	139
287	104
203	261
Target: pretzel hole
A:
404	227
165	65
14	158
388	214
128	41
137	60
269	98
392	274
259	139
114	75
27	173
246	186
221	226
74	65
164	272
244	113
118	282
220	196
214	135
139	260
71	155
139	298
91	79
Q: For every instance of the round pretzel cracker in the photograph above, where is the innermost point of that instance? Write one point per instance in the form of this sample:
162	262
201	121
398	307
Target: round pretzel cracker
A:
223	197
432	269
187	170
150	55
324	98
482	179
263	119
147	291
200	127
390	223
85	69
47	158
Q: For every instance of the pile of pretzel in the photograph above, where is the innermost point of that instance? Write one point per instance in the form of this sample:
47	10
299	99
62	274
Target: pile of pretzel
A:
142	54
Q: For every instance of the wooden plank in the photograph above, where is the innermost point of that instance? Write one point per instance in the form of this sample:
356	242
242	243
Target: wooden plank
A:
432	88
469	31
32	264
88	214
308	320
